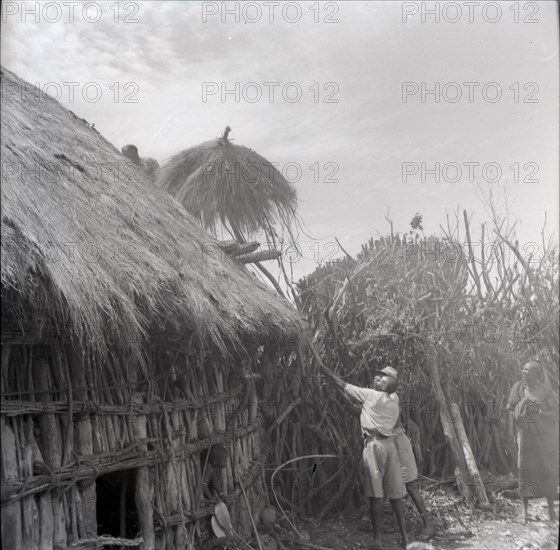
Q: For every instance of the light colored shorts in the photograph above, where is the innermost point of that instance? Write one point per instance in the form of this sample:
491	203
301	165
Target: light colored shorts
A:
382	472
406	457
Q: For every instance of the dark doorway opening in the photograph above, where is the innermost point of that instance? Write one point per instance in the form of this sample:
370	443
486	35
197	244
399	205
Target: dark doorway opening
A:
116	509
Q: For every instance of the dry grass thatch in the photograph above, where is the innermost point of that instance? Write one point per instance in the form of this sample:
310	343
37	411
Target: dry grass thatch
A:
90	243
211	177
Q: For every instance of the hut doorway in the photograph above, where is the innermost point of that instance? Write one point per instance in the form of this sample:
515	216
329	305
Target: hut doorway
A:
116	509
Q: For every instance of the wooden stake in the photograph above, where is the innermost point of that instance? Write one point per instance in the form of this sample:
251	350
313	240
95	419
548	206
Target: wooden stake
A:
51	448
144	490
30	512
11	512
461	471
84	438
261	256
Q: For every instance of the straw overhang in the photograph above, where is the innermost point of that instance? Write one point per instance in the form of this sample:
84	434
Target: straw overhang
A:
90	242
208	178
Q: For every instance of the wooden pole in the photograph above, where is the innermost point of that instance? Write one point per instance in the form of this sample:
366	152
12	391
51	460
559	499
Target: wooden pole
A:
11	511
84	437
460	470
51	447
260	256
232	247
30	511
262	269
470	461
144	491
46	531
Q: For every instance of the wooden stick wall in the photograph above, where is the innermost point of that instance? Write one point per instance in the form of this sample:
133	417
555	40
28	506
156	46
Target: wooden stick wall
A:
152	422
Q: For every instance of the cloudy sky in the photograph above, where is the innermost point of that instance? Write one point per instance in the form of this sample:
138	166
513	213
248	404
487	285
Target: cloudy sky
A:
351	130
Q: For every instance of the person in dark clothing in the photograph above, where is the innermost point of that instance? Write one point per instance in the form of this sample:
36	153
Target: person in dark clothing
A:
212	461
535	411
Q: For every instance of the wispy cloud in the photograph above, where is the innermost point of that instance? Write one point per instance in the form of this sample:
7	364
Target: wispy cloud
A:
368	133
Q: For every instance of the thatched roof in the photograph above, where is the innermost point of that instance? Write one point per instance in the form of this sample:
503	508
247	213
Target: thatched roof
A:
209	178
90	243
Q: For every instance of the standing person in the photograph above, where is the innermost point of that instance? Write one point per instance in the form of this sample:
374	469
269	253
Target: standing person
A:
535	411
382	471
410	476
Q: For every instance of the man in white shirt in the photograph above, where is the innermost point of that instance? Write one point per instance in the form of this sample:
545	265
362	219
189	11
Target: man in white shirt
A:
382	470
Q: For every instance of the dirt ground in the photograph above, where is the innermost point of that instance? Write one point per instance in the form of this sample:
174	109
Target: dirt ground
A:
460	527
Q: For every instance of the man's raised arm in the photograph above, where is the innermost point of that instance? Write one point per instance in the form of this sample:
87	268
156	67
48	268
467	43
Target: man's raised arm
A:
326	371
336	379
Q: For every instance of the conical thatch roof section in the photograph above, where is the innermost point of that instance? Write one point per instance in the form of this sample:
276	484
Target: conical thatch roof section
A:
90	243
208	178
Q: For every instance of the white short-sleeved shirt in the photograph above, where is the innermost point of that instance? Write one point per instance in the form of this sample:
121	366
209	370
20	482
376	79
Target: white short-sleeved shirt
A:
380	410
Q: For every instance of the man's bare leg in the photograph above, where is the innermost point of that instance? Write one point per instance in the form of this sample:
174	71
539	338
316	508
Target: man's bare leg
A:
376	515
429	529
526	509
398	510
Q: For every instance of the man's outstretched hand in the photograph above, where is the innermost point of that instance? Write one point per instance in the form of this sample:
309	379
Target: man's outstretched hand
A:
325	370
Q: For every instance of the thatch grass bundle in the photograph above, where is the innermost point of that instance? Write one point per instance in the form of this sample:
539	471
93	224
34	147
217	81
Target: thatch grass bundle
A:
89	243
208	178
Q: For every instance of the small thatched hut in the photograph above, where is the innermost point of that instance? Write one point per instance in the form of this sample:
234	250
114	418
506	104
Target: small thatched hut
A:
129	346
